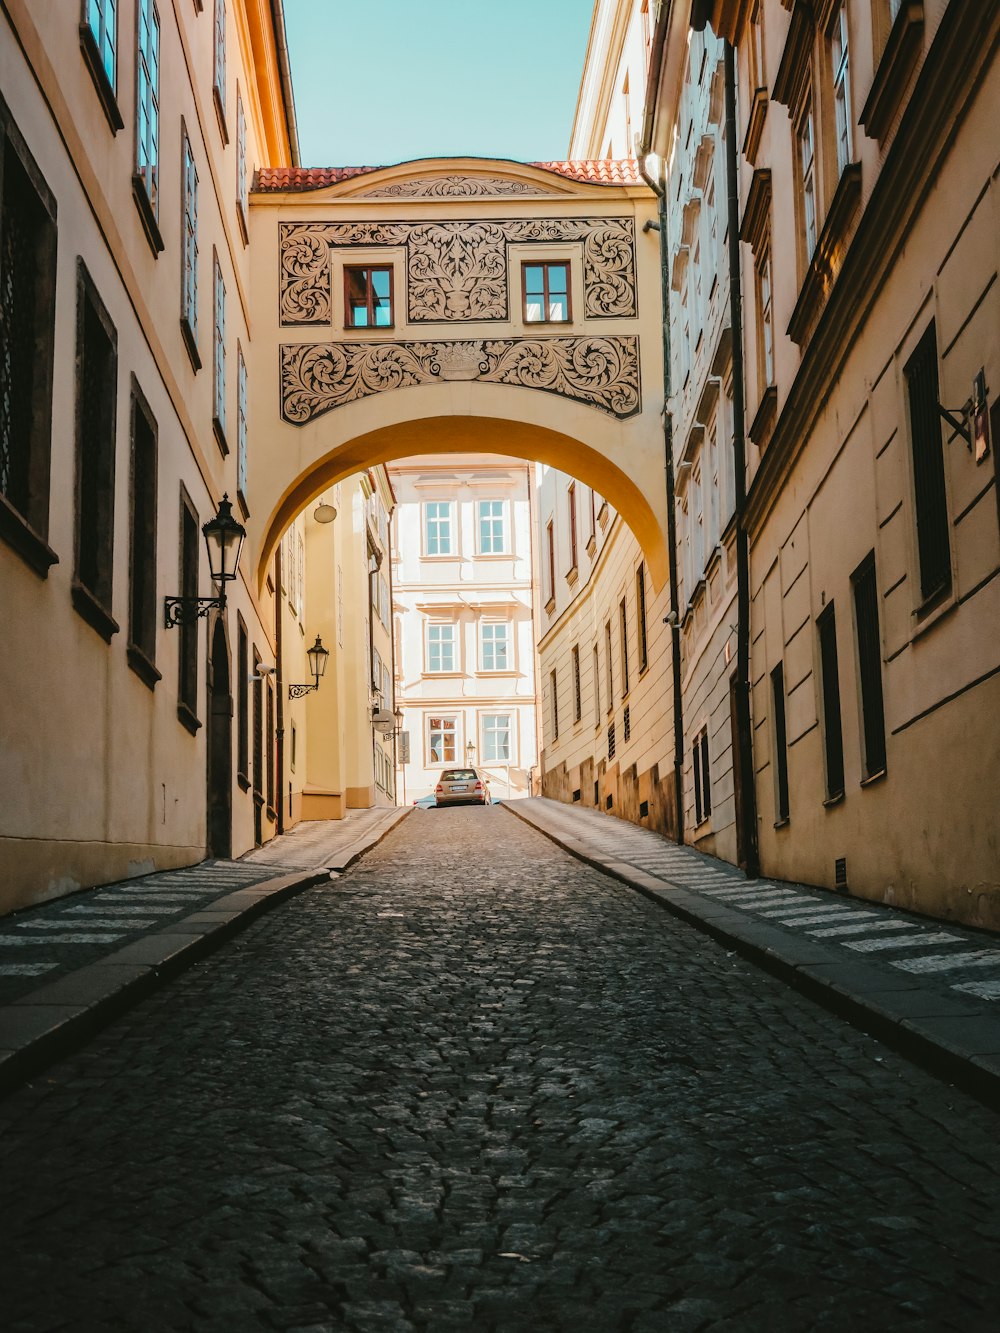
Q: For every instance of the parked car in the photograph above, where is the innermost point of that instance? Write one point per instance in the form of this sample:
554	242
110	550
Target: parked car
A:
463	786
426	802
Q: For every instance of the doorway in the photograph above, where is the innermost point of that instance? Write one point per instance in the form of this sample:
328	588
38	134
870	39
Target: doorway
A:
220	747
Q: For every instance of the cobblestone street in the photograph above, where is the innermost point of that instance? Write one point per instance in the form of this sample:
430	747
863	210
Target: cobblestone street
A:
473	1084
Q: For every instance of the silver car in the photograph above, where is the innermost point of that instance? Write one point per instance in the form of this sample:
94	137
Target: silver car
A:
463	786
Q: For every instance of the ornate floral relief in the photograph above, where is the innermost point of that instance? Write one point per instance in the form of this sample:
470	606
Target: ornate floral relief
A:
601	372
454	187
457	270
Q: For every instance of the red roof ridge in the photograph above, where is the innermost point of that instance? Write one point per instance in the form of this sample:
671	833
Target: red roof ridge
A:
595	171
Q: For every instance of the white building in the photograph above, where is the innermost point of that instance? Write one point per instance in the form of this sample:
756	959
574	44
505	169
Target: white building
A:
462	603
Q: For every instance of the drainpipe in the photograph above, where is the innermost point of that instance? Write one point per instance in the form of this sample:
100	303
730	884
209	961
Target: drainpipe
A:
643	147
279	702
744	730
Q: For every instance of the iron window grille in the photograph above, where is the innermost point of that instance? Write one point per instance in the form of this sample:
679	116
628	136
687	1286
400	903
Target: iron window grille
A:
611	741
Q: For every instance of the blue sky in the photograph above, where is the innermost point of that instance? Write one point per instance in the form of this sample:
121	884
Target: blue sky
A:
380	81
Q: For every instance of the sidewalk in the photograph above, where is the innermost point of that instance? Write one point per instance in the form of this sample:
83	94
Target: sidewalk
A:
929	988
70	966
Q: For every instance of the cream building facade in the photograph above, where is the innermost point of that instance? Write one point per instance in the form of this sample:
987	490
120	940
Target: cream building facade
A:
465	643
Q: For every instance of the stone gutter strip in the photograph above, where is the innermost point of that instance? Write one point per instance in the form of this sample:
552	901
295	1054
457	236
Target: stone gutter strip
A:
954	1039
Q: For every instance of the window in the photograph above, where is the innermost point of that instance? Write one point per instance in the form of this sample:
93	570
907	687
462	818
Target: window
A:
929	491
102	21
300	577
27	324
383	600
571	505
626	723
187	657
376	671
702	777
147	106
492	528
437	527
611	741
271	812
242	209
96	413
833	741
258	737
294	748
841	88
441	739
640	606
142	541
577	693
241	427
219	360
493	647
765	317
546	293
623	628
869	666
242	706
555	704
607	658
646	36
496	738
368	298
807	177
440	647
758	74
189	250
780	743
597	687
550	550
593	515
219	66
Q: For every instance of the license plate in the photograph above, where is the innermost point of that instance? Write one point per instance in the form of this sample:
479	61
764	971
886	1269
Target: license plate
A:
460	787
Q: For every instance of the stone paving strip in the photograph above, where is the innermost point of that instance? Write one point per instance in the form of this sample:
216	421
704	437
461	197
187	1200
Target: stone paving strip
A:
100	955
900	976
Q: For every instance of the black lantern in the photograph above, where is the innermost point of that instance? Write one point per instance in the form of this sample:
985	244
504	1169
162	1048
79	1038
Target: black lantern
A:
224	537
318	658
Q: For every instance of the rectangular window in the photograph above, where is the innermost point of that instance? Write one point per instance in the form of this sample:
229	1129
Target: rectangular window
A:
219	358
496	738
271	812
441	739
765	317
807	177
492	529
300	577
219	64
623	629
241	426
96	414
242	208
437	527
383	600
440	647
555	705
189	249
550	549
376	671
833	740
571	505
869	666
611	741
841	88
493	645
27	326
147	103
368	298
640	607
706	775
142	541
780	743
597	687
546	293
927	450
608	660
102	21
187	657
593	515
258	735
696	773
242	706
577	692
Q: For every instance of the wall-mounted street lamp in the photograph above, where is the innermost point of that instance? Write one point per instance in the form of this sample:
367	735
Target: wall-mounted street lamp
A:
470	753
324	513
224	537
318	657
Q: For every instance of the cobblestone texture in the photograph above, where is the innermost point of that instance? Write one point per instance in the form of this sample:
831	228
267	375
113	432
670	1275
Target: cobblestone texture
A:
473	1084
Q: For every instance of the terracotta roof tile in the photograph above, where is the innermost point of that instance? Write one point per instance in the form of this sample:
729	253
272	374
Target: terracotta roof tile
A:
594	172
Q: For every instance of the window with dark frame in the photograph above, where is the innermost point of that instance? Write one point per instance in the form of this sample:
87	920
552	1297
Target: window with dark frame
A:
187	682
597	687
96	417
546	293
142	540
242	705
242	184
241	428
550	549
640	604
147	105
702	773
610	663
869	641
577	692
780	743
189	249
833	737
555	705
368	292
219	65
271	812
219	358
258	733
623	628
101	18
927	451
27	337
573	548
